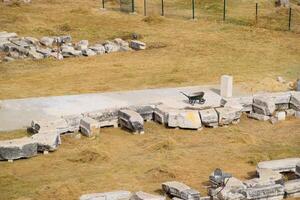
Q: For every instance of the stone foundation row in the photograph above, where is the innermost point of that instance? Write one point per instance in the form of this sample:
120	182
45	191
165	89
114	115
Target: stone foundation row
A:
269	184
59	47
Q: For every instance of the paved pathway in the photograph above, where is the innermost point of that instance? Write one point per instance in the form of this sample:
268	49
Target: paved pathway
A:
18	113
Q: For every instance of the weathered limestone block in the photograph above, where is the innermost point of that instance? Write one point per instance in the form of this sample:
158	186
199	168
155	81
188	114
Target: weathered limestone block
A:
228	115
280	97
17	148
232	190
35	55
111	47
46	52
263	105
209	117
269	174
19	42
145	111
114	195
292	188
297	171
282	165
275	191
44	126
259	117
47	41
258	182
68	51
226	86
131	120
7	35
31	40
47	141
146	196
82	45
180	190
98	48
280	115
105	117
295	101
245	101
188	119
89	127
161	114
88	52
2	43
73	122
137	45
63	39
124	46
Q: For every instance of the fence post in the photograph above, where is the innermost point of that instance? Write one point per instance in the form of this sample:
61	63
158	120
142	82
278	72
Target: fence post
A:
290	18
132	4
193	8
256	13
162	8
103	4
145	7
224	10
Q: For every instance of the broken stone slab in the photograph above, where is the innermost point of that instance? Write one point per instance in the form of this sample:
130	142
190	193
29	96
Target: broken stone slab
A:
31	40
295	101
20	42
47	41
146	196
98	48
2	43
275	191
187	119
209	117
89	127
105	118
245	101
228	115
269	174
68	51
35	55
259	117
290	112
282	165
64	39
73	122
263	105
180	190
111	47
137	45
47	141
258	182
17	148
292	188
145	111
114	195
46	52
16	55
88	52
232	189
8	59
82	45
8	35
161	114
124	46
44	126
131	120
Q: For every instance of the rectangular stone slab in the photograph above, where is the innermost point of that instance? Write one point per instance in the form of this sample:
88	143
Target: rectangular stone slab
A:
292	188
146	196
295	101
47	141
264	105
89	127
188	119
114	195
209	117
18	148
228	115
264	192
282	165
131	120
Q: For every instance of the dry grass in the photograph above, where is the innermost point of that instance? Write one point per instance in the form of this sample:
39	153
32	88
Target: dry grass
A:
119	160
188	52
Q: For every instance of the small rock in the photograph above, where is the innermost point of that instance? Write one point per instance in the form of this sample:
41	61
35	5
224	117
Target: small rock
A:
280	115
280	79
137	45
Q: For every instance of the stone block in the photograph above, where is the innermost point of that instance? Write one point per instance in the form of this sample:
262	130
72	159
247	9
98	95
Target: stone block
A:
280	115
47	141
274	191
88	52
145	111
292	188
290	112
146	196
18	148
69	51
263	105
226	86
89	127
297	171
188	119
82	45
245	102
137	45
131	120
259	117
232	189
295	101
209	117
105	118
161	114
7	35
47	41
111	47
73	122
98	48
44	126
228	115
114	195
180	190
282	165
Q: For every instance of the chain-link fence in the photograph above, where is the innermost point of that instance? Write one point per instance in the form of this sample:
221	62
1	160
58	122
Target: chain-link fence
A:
260	13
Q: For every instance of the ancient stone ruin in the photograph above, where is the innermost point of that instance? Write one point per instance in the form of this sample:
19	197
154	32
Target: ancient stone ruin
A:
59	47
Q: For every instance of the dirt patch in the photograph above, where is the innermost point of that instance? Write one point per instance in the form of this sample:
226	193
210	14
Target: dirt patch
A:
163	145
89	156
156	45
159	172
153	20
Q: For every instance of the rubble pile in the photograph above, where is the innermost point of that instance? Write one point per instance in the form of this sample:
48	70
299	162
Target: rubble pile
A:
59	47
223	186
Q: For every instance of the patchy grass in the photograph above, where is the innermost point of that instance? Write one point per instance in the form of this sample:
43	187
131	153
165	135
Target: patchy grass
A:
118	160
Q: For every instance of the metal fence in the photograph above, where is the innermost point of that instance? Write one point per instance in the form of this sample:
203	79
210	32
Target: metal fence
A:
249	13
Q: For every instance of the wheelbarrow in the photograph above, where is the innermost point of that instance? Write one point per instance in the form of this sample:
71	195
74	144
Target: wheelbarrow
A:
194	97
